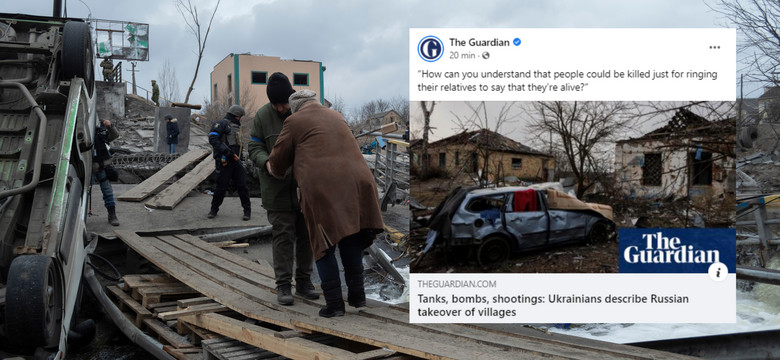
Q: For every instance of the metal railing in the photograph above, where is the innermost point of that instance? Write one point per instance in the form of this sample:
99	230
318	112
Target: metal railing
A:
391	171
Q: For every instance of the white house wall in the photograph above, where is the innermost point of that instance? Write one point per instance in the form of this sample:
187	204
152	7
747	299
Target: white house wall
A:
629	158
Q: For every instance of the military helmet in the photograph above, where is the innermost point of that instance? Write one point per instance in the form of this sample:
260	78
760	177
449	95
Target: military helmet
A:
236	110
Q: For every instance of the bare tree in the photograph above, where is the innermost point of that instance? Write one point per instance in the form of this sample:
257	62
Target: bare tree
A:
364	113
339	105
759	47
401	105
426	129
169	86
488	121
576	129
190	15
213	111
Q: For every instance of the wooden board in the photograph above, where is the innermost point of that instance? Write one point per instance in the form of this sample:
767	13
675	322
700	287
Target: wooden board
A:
229	349
260	304
295	348
184	353
174	194
148	186
246	290
141	313
153	295
167	335
192	310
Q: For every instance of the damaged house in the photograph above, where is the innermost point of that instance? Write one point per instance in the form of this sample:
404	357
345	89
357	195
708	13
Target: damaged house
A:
486	151
688	157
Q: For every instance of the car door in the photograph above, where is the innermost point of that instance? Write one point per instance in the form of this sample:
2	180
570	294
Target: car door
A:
526	219
566	225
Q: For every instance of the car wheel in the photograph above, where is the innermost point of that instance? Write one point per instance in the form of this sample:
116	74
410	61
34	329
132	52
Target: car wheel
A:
77	53
493	250
33	308
601	231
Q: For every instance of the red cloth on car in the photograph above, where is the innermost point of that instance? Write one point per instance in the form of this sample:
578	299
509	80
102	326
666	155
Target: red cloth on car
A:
525	200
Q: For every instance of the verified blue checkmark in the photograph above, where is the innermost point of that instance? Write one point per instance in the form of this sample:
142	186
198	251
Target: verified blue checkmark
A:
516	41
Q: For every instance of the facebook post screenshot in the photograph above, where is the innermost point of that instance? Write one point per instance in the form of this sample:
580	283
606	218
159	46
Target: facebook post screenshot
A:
574	175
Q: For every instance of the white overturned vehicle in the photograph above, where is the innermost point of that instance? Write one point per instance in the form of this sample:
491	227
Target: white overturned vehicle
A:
47	122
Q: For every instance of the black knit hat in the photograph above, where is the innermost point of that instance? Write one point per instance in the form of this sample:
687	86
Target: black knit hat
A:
279	88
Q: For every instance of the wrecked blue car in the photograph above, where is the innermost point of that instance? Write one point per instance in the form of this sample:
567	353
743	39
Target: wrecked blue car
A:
492	223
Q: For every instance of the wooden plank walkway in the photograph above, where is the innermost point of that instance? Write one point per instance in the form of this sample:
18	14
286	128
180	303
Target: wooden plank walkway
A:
148	186
174	194
247	288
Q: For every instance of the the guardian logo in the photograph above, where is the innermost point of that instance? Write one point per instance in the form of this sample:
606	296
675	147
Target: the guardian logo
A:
659	249
430	48
671	250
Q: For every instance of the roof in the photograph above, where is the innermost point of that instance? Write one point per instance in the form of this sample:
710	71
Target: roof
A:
382	114
686	124
770	93
488	140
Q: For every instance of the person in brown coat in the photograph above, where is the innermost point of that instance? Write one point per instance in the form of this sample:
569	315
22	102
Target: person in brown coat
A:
338	194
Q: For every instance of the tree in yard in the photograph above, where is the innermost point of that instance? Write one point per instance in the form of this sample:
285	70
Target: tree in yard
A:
576	130
190	15
426	129
489	121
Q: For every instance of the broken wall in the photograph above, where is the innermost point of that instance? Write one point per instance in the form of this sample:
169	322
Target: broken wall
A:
161	132
675	171
111	100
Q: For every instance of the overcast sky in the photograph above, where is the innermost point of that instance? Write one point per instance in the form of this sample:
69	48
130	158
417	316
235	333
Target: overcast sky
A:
363	44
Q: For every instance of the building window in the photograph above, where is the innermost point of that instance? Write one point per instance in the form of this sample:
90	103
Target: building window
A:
652	169
457	158
442	160
474	162
215	94
259	77
229	84
300	79
517	163
701	167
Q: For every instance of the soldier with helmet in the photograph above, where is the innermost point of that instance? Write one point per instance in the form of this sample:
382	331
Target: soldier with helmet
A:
225	139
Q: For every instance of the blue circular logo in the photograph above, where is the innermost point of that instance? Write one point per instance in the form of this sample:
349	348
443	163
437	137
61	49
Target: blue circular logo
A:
430	48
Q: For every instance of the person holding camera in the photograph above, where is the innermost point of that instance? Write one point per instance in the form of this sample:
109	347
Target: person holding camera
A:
102	170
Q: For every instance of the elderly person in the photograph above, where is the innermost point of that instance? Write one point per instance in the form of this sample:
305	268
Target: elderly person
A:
339	198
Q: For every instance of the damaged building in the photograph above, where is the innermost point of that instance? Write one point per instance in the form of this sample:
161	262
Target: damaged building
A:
688	157
470	152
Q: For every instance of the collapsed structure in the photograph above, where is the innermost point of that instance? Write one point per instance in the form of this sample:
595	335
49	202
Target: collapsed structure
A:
688	157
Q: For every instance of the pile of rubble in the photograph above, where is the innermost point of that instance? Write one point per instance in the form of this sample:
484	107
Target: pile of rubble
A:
758	167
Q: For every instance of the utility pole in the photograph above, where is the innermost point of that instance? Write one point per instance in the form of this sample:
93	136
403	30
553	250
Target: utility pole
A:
134	88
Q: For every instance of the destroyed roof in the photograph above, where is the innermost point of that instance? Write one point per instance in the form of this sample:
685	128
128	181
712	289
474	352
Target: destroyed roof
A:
489	140
685	123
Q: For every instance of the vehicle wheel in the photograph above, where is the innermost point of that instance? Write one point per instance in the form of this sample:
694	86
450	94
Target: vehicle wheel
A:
494	249
77	53
601	231
33	308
